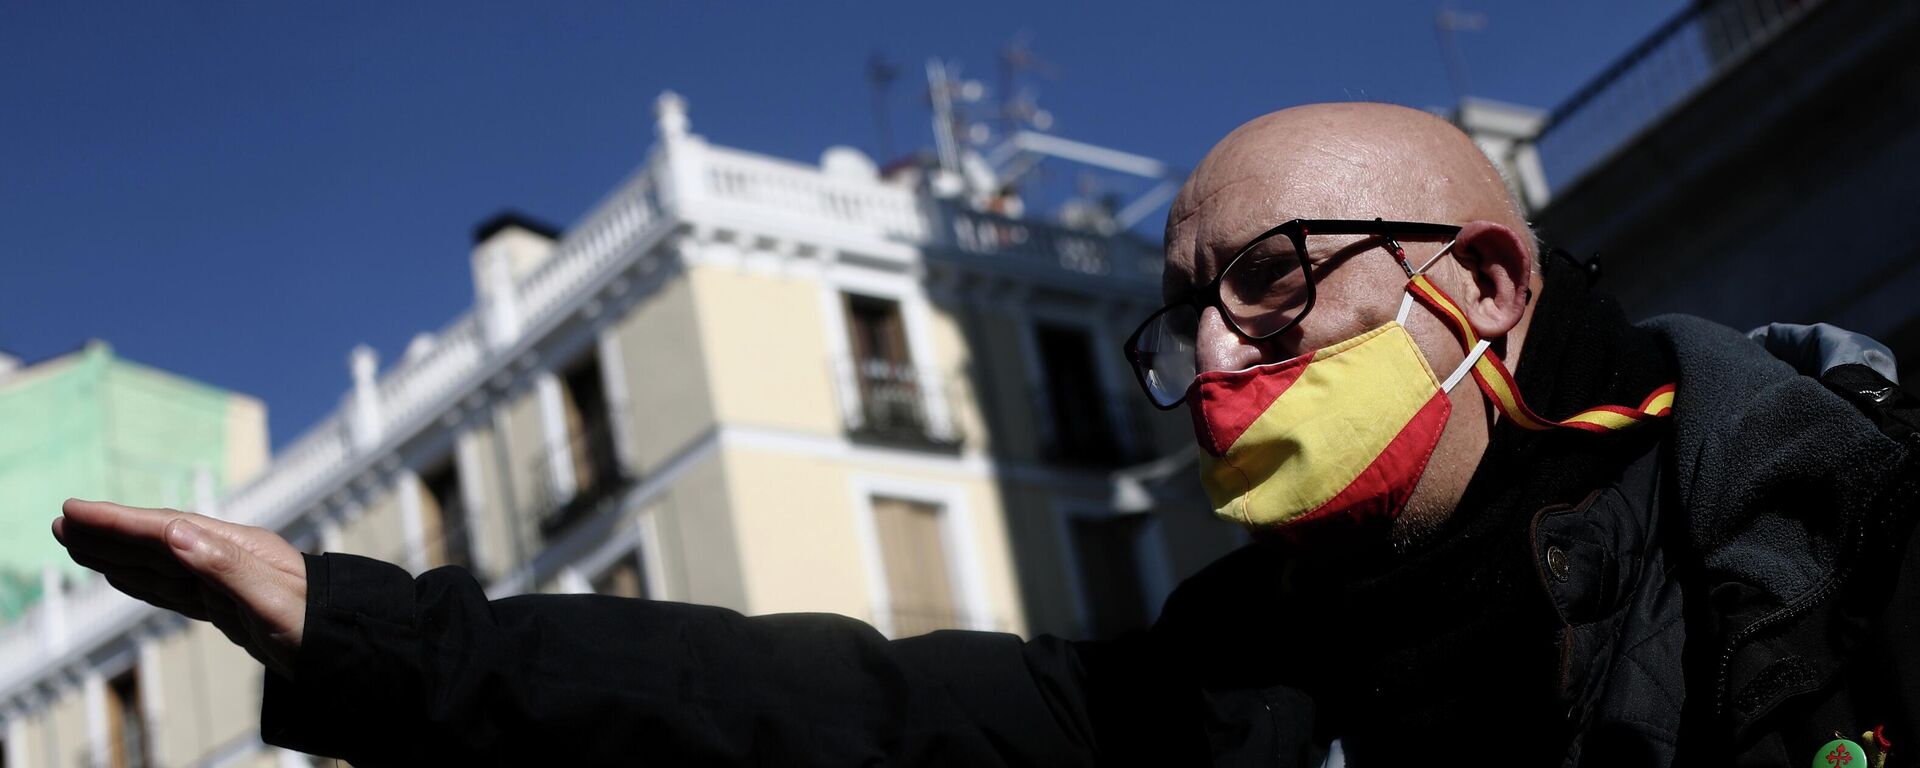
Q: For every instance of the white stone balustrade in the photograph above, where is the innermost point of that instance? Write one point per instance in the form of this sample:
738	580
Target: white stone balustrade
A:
750	185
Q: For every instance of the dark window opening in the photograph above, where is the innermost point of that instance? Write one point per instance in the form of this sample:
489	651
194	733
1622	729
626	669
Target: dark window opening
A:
596	466
1082	427
890	390
590	451
126	723
1107	549
444	518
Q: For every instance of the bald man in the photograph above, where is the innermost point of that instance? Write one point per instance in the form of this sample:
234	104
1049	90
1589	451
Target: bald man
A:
1496	523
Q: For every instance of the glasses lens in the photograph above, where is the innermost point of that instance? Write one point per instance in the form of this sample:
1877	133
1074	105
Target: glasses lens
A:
1266	288
1164	354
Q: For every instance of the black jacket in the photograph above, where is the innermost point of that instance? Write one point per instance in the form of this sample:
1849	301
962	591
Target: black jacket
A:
1727	590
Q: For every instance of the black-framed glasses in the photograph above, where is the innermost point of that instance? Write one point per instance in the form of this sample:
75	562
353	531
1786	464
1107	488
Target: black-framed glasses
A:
1264	291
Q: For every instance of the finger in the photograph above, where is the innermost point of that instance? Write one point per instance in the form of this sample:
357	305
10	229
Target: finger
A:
127	522
182	597
81	541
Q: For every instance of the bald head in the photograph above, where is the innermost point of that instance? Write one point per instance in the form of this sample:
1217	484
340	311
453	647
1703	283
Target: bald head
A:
1337	161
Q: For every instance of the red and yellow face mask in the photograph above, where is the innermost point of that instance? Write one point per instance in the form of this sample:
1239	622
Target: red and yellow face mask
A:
1339	437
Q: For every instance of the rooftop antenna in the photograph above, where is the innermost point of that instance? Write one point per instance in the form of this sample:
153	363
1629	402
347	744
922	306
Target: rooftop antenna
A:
1018	109
881	74
940	92
1447	22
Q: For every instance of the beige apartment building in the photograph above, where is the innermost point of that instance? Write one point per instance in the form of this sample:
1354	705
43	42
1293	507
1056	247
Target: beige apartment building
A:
738	380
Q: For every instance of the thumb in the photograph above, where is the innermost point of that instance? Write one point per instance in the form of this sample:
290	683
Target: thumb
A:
212	558
269	619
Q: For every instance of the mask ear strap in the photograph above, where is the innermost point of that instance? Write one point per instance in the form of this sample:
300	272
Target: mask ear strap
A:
1500	388
1422	269
1465	366
1406	305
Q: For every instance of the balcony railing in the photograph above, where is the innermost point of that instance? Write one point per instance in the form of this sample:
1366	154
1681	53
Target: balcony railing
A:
1679	59
598	477
892	403
766	185
1033	245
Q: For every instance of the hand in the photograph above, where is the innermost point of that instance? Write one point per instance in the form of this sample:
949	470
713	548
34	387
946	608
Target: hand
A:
247	581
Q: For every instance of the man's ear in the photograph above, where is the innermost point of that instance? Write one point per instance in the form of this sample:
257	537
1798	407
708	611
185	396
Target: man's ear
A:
1500	266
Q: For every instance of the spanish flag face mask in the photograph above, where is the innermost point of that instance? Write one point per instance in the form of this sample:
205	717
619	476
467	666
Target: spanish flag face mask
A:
1334	441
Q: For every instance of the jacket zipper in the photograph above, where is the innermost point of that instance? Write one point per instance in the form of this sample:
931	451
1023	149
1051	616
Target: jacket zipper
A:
1722	701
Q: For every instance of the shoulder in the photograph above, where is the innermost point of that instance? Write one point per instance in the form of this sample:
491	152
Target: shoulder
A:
1756	440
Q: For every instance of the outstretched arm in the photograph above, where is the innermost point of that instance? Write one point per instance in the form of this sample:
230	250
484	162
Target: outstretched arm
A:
370	664
598	680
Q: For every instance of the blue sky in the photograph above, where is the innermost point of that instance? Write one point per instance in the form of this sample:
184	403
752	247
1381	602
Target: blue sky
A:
241	192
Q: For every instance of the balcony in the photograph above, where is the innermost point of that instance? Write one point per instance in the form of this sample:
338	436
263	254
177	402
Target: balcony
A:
889	403
1046	252
598	479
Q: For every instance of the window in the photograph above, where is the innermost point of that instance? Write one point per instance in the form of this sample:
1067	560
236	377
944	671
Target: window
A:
1082	431
1106	549
443	518
583	396
622	579
889	389
126	724
914	554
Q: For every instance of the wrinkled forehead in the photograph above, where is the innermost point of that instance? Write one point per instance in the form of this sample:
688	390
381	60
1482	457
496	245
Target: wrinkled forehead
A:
1221	209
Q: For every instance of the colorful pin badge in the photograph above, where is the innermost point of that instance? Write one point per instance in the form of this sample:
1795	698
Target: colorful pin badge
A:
1840	753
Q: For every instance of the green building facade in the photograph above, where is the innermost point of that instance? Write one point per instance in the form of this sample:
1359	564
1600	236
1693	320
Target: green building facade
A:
90	424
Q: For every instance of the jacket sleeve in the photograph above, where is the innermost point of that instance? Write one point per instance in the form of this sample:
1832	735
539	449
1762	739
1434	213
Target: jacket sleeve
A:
398	671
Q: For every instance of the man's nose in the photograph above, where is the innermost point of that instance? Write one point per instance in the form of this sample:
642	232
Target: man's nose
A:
1218	348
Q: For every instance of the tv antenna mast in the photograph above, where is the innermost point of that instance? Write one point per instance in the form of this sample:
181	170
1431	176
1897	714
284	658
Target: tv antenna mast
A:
881	74
1445	24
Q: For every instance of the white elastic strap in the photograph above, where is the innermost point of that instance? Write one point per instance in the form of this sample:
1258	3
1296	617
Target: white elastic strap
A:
1406	303
1436	257
1465	365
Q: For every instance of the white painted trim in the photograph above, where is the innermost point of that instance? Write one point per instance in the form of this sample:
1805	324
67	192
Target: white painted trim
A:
331	537
50	736
651	556
473	498
553	428
570	582
1150	551
152	703
916	315
846	385
967	569
95	688
839	448
17	740
413	534
613	384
